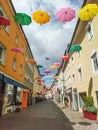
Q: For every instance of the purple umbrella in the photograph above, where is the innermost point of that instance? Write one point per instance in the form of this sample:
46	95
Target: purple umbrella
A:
65	14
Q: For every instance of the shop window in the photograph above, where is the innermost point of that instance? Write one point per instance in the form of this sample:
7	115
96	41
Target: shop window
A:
97	96
9	95
94	58
81	99
2	54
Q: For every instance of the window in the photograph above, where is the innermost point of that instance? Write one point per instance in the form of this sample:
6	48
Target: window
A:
2	13
20	69
72	60
2	54
80	74
73	76
17	39
22	49
97	96
90	31
14	64
95	61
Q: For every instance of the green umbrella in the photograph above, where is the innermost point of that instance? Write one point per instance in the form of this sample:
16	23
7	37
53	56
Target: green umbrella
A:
39	66
75	48
22	19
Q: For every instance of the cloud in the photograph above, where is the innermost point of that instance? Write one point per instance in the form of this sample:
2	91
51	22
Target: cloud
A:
49	40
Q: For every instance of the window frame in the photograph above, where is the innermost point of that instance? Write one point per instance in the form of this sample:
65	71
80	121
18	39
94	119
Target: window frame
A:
14	65
80	74
90	32
92	60
3	55
6	28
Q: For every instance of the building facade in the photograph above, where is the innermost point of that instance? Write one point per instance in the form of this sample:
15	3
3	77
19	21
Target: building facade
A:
81	71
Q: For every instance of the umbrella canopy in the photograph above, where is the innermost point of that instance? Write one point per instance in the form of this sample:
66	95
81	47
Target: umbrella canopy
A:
16	50
65	14
31	61
65	58
75	48
57	64
22	19
53	67
47	71
4	21
39	66
41	17
88	12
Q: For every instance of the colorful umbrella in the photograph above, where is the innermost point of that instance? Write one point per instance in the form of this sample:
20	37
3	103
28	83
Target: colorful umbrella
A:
88	12
16	50
65	58
65	14
39	66
57	64
47	71
75	48
53	67
31	61
22	19
4	21
41	17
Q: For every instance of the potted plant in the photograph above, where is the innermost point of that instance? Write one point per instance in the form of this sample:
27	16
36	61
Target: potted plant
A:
89	110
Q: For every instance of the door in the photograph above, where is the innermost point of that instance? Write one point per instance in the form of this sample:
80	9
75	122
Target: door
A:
2	90
24	99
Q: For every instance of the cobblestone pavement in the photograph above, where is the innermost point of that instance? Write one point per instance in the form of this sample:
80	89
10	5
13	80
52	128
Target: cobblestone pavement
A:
77	120
47	115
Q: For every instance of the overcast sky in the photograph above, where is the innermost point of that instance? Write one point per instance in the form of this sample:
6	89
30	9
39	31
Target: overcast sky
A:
49	40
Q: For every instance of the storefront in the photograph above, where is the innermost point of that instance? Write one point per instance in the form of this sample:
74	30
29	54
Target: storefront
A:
10	94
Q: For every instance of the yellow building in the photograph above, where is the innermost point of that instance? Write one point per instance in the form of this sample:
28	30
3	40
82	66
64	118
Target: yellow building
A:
81	71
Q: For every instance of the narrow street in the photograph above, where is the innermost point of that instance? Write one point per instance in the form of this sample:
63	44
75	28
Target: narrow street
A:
42	116
46	115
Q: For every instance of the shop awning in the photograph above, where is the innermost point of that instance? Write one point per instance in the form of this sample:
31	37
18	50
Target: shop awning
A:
13	82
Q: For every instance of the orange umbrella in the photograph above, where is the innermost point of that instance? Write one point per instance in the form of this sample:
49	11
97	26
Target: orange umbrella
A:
31	61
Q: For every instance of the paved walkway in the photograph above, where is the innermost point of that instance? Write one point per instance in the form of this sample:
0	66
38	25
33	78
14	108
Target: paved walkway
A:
46	115
77	120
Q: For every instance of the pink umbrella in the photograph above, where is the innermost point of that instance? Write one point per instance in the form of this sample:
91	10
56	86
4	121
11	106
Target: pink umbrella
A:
16	50
65	14
57	64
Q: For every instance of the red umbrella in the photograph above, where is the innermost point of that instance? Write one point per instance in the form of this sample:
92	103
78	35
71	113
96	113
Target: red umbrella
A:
65	14
4	21
16	50
65	58
47	71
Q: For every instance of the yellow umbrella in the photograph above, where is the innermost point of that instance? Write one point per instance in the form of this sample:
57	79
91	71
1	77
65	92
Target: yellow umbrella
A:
53	67
88	12
41	17
52	74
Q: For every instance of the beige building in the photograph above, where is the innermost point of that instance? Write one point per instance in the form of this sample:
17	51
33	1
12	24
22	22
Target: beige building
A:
81	71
